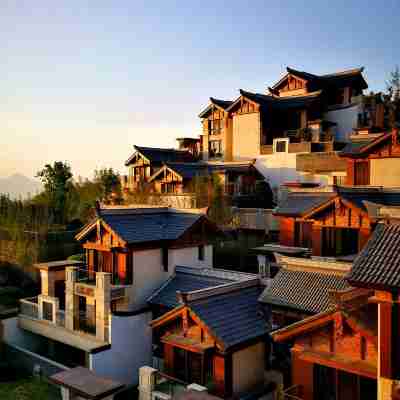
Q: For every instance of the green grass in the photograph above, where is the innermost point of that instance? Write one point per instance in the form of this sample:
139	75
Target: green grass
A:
28	389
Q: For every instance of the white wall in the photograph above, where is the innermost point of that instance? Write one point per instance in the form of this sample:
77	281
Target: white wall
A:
13	334
149	274
246	136
188	257
385	172
131	348
248	368
346	119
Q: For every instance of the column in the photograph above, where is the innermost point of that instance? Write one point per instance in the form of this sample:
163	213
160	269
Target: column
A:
103	299
316	240
71	300
147	382
302	376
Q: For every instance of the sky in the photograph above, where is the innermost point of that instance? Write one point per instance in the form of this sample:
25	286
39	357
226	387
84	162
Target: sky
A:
83	81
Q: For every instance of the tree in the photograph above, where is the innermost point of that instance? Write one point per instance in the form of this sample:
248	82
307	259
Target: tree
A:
110	184
56	179
392	98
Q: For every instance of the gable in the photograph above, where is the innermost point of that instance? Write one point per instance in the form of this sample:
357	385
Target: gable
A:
166	174
137	159
291	83
243	105
99	234
180	323
339	213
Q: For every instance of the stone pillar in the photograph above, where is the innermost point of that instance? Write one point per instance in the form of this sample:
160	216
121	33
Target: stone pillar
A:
103	299
71	300
44	279
147	382
91	310
264	270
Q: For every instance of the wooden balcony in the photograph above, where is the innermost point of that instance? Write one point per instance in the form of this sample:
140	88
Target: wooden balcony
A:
320	162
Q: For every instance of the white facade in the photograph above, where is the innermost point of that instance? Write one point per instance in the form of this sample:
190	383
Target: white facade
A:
149	273
131	348
346	120
246	136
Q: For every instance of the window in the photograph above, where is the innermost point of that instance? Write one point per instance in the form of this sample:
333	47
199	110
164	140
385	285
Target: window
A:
281	145
215	127
215	148
201	253
164	258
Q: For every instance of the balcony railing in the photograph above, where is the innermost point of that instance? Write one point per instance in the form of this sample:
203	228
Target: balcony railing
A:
169	385
29	307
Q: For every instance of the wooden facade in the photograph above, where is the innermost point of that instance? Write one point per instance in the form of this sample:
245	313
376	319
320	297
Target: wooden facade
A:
386	146
193	354
335	354
336	228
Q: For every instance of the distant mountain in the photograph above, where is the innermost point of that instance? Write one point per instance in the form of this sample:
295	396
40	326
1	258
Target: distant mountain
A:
18	185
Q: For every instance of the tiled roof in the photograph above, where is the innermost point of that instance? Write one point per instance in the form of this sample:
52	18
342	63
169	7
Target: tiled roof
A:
136	227
162	155
337	79
357	147
303	290
358	196
284	103
190	170
221	103
299	203
378	264
184	282
234	317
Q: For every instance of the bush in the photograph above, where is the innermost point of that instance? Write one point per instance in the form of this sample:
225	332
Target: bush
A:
77	257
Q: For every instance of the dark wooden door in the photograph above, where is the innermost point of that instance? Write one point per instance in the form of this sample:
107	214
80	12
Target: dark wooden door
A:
194	368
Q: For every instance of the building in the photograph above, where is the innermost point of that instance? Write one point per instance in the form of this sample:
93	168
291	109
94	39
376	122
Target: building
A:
351	350
145	161
201	341
377	268
179	178
301	113
373	159
302	287
331	167
335	353
95	314
332	222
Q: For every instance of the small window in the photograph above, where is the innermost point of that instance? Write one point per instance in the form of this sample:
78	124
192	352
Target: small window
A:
281	146
201	252
164	256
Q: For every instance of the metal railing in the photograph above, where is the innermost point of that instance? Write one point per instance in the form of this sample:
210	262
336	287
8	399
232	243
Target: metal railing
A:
84	324
292	393
86	276
168	385
29	307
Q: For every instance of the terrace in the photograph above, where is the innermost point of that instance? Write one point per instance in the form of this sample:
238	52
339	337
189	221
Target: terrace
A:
79	315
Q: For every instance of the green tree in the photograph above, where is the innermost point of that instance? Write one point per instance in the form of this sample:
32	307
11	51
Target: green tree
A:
56	179
392	98
110	184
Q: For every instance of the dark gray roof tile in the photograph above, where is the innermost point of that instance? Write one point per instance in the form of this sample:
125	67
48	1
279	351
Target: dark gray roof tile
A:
299	203
303	290
233	317
378	264
146	227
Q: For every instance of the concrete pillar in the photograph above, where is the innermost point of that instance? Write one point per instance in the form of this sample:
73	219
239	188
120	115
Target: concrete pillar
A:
103	299
71	300
147	382
91	310
44	279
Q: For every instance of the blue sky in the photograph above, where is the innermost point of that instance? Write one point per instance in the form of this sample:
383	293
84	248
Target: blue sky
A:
85	80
